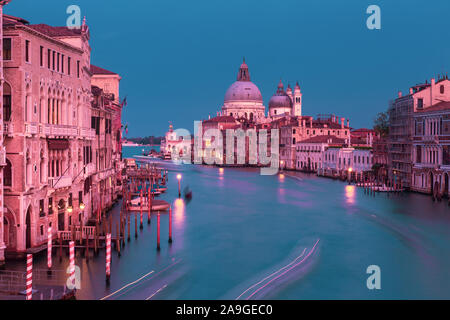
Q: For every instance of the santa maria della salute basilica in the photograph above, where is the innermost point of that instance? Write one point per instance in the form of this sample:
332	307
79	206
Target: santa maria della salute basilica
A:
243	100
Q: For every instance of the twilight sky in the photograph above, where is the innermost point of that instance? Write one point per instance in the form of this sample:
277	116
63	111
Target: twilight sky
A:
177	58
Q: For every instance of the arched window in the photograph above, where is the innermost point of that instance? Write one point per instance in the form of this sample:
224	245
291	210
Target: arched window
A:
6	102
442	89
7	174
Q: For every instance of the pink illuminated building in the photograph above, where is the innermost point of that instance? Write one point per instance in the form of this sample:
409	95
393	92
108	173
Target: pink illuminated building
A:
404	152
61	134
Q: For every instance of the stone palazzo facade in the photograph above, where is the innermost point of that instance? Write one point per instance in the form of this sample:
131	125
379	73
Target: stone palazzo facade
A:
61	134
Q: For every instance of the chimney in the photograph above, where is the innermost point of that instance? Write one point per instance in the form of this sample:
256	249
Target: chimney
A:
342	123
399	94
410	90
310	122
348	123
303	123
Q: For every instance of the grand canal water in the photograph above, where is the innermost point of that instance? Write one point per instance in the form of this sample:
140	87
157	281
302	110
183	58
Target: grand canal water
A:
289	236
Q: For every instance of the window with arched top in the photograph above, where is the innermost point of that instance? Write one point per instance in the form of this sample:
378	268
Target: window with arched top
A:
442	89
7	174
6	102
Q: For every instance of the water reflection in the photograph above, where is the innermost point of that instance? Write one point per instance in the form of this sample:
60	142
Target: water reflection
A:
281	177
179	213
350	194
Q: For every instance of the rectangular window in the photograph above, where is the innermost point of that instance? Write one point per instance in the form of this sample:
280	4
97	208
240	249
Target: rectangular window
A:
27	50
53	56
68	66
49	57
58	56
7	49
41	208
70	199
41	56
62	63
78	69
80	197
420	103
50	205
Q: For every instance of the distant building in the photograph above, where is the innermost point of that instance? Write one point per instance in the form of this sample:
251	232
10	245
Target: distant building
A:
431	148
401	125
343	160
174	146
310	152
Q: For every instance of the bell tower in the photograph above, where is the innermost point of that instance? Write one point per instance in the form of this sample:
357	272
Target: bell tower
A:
297	106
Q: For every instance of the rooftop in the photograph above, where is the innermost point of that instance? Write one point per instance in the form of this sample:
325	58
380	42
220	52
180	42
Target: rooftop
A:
98	70
441	106
55	31
221	119
324	139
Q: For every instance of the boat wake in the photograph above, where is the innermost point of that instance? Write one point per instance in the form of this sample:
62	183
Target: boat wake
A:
281	278
149	285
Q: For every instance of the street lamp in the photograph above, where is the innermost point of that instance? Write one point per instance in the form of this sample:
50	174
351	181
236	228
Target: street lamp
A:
179	185
282	164
82	206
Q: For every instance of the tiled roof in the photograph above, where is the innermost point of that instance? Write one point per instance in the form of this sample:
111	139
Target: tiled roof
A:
441	106
55	31
11	20
324	139
221	119
98	70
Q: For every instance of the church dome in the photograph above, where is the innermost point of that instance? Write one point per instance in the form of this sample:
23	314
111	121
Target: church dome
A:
243	91
280	99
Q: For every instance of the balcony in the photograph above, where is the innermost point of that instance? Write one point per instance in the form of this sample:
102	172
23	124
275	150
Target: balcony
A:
8	128
58	130
431	139
87	133
105	174
31	128
60	182
89	170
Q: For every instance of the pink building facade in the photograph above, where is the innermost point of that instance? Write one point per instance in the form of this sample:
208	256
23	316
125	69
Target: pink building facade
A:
53	152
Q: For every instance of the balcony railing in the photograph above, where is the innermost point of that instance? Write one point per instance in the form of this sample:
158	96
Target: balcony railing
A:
57	130
60	182
105	174
89	170
8	128
31	128
87	133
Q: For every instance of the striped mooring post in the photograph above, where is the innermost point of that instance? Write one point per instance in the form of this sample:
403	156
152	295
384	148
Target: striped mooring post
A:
29	287
72	263
108	257
49	248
